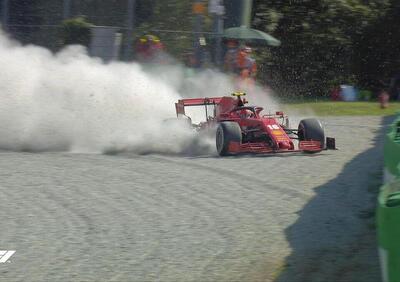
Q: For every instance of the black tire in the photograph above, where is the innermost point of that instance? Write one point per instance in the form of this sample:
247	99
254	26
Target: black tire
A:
311	129
227	132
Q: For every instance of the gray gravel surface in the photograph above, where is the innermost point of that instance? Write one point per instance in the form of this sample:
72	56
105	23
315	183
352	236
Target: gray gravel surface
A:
292	217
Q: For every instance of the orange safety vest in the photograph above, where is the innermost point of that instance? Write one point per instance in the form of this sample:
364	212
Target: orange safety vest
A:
245	62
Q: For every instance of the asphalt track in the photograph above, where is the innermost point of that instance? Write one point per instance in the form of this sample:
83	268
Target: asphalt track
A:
127	217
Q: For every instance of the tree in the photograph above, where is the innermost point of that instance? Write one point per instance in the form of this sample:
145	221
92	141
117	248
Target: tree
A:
318	39
378	57
76	31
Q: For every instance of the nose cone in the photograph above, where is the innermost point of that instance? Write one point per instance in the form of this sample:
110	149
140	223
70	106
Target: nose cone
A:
284	145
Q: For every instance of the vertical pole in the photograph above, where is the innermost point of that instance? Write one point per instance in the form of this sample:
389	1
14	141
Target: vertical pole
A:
5	14
219	18
246	14
220	30
131	13
66	9
216	37
198	10
217	9
129	31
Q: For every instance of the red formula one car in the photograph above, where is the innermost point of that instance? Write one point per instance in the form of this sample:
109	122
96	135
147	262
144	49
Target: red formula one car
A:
244	129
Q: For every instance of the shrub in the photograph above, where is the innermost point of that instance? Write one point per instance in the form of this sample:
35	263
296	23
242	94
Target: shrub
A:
76	31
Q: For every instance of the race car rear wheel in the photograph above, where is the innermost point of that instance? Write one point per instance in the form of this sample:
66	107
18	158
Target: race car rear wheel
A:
311	129
227	132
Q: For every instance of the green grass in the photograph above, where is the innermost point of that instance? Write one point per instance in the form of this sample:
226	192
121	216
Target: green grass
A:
343	108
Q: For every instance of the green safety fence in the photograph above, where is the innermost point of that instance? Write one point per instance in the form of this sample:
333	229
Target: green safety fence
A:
388	211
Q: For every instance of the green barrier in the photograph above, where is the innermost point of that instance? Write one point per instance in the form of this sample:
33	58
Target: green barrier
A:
388	211
392	152
388	217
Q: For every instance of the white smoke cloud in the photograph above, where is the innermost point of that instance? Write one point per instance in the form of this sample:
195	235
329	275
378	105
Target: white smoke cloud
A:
71	102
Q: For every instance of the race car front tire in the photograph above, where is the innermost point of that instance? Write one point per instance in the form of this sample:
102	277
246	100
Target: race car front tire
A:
227	132
311	129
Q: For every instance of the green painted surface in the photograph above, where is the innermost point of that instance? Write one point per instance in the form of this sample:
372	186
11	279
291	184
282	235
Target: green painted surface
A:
388	210
388	217
392	149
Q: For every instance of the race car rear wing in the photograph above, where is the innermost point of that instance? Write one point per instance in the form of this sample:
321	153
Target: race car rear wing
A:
181	104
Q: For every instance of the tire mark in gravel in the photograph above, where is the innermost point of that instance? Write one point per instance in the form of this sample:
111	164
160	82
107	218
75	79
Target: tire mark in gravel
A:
208	206
149	202
222	255
36	205
202	208
165	227
141	203
239	177
145	205
240	180
93	234
84	228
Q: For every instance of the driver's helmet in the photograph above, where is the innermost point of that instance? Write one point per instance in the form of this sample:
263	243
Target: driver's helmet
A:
240	102
245	113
